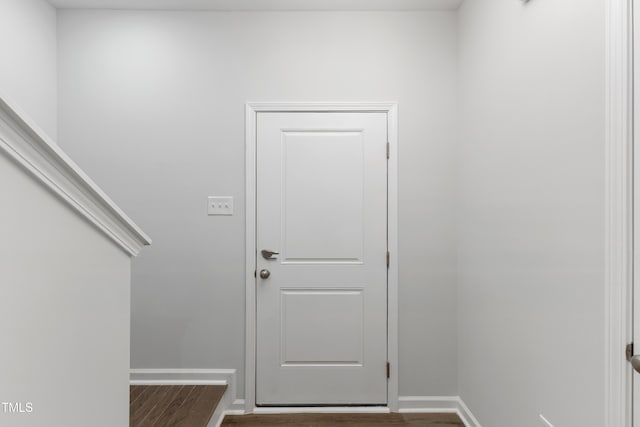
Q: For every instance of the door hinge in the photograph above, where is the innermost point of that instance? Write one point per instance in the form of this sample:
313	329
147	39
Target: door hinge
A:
388	259
388	370
629	352
388	150
255	273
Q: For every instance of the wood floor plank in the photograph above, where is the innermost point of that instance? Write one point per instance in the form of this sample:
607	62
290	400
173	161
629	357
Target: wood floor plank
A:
180	417
174	406
203	408
150	400
134	392
161	405
134	407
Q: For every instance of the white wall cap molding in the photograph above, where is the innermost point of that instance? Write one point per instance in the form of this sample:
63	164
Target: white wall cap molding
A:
24	142
183	377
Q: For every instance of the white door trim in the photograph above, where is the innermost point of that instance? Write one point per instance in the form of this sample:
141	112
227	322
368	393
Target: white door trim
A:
252	109
619	212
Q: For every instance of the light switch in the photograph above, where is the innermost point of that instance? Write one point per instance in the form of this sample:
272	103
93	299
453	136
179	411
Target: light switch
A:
220	205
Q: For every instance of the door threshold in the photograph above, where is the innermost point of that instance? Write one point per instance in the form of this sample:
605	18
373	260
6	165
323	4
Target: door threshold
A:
321	409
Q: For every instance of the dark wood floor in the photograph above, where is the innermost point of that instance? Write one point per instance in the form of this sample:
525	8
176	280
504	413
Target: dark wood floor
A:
173	406
345	420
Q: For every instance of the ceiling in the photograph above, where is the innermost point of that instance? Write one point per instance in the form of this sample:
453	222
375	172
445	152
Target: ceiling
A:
262	5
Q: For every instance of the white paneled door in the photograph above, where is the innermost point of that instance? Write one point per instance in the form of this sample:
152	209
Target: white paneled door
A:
322	288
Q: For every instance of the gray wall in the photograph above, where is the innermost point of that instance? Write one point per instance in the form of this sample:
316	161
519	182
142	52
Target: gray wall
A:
28	60
152	106
530	212
64	309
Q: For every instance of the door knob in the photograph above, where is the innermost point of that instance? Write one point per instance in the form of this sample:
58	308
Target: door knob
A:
635	362
268	254
264	274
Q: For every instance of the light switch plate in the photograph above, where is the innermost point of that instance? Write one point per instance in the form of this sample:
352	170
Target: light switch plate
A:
220	205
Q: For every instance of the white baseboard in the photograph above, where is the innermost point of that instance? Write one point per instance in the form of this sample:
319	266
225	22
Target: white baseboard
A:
428	404
237	407
195	377
467	416
441	404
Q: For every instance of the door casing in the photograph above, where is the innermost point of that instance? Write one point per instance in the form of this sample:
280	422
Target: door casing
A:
619	225
251	110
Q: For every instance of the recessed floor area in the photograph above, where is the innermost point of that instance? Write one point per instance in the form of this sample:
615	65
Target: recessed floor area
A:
345	420
173	405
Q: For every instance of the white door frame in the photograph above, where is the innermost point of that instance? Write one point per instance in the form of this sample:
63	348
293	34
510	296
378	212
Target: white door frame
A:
619	212
252	110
